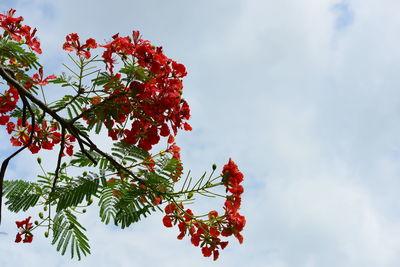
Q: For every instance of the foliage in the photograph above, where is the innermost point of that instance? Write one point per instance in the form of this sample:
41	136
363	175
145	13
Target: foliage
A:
134	93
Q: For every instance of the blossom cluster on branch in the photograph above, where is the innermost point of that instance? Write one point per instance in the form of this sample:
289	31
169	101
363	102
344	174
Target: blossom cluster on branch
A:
137	95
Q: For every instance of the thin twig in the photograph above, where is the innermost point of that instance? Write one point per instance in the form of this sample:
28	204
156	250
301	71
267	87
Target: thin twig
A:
60	154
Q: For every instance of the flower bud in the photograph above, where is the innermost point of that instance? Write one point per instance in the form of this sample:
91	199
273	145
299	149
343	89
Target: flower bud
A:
214	166
190	195
36	222
84	211
45	208
90	201
85	173
39	160
46	234
41	215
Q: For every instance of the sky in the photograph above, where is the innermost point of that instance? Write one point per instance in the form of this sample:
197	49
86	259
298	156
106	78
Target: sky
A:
302	95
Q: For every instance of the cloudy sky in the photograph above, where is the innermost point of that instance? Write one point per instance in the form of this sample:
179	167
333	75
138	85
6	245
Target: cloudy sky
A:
302	94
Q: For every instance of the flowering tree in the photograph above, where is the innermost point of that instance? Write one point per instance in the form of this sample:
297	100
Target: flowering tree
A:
137	97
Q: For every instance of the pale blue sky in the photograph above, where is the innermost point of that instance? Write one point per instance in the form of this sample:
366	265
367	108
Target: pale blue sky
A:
304	95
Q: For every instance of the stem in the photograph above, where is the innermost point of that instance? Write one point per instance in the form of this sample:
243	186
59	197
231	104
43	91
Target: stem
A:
56	174
44	97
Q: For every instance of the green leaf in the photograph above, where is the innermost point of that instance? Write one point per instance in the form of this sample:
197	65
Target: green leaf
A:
74	193
67	231
123	203
20	195
107	204
10	49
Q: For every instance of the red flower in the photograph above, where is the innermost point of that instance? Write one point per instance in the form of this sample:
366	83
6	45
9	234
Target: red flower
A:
30	40
215	254
24	229
4	119
69	139
179	70
38	78
231	173
167	221
206	251
14	28
8	100
72	43
170	208
11	25
175	151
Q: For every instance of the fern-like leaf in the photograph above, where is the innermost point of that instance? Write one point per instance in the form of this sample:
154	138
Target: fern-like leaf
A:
68	231
74	193
20	195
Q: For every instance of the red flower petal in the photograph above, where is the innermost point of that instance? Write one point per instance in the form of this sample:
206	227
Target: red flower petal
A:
167	221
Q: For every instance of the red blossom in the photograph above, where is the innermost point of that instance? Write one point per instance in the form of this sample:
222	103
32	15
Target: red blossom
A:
12	26
155	105
167	221
170	208
8	100
72	43
206	234
45	136
206	251
24	229
4	119
38	78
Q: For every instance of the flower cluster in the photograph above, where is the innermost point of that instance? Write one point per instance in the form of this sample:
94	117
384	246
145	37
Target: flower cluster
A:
10	97
45	136
24	229
206	234
202	233
232	178
139	104
8	102
151	97
13	27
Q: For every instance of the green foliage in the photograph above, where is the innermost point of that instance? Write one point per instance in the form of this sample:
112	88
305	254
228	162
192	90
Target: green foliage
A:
133	72
102	78
20	195
107	205
68	231
75	192
126	152
124	204
18	113
169	167
80	160
65	81
72	103
10	49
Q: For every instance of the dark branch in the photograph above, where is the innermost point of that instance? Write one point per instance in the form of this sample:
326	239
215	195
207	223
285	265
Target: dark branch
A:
68	125
60	154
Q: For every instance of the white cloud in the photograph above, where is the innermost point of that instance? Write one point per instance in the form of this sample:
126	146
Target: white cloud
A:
309	111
